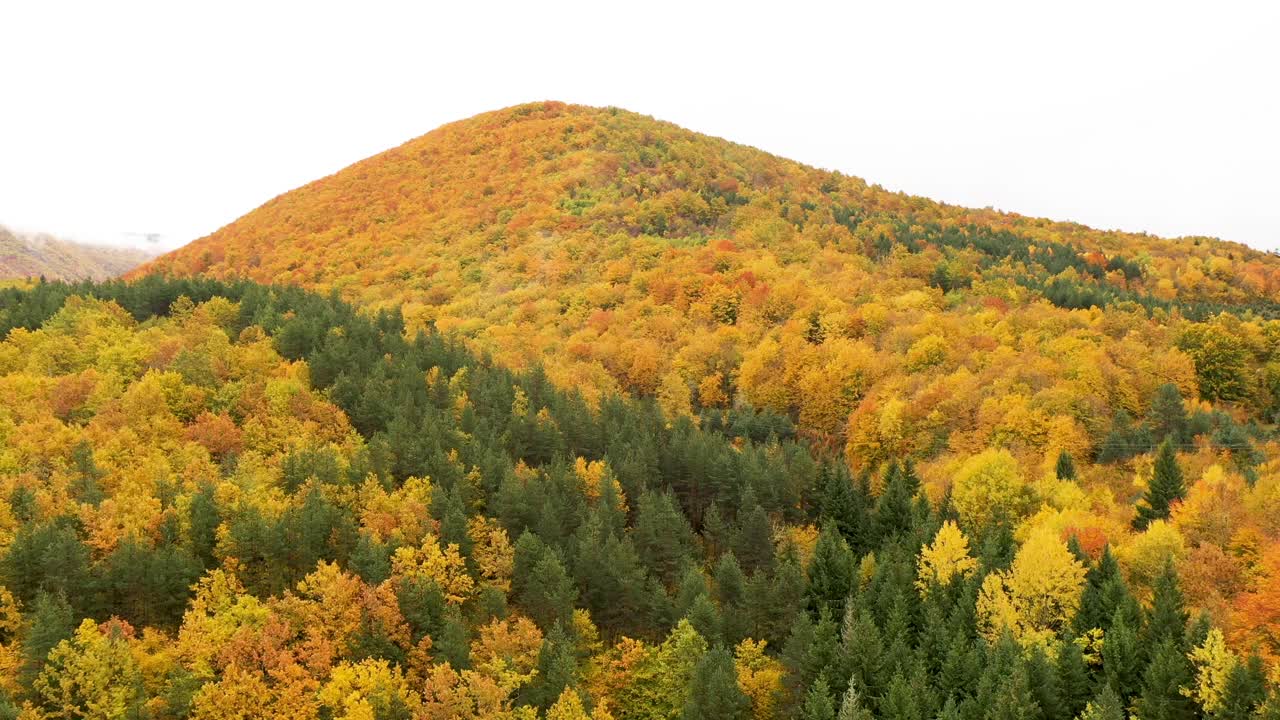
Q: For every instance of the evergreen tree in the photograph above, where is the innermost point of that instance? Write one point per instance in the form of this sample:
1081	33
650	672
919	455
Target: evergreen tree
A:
1122	657
893	511
1166	487
1106	706
1066	467
1245	692
830	573
453	645
1168	416
557	668
1162	697
1167	620
705	617
1042	682
49	621
862	651
818	704
900	702
730	592
753	543
714	691
852	706
842	503
1074	684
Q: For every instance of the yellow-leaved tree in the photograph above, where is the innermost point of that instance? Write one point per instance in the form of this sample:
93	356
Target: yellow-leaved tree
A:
1036	598
1214	662
988	487
945	559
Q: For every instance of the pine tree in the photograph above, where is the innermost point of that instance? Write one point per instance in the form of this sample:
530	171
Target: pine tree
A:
1166	487
730	592
1167	620
49	621
705	617
862	650
900	702
830	573
714	691
1245	692
893	511
453	644
753	543
817	703
1074	685
1168	416
1042	681
841	503
1066	467
1106	706
852	706
557	668
1162	697
1122	659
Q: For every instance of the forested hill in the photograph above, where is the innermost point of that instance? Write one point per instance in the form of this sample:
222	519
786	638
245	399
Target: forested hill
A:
626	254
225	500
34	256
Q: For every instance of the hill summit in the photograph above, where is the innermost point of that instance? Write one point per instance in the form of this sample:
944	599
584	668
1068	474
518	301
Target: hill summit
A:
625	253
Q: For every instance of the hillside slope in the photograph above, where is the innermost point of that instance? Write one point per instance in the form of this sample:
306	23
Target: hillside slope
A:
626	253
23	256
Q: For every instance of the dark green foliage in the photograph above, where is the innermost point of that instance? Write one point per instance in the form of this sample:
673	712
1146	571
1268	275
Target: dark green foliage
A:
1161	697
1165	488
1106	706
830	573
1066	467
714	691
1122	657
1245	692
49	621
696	538
1168	416
1167	620
818	704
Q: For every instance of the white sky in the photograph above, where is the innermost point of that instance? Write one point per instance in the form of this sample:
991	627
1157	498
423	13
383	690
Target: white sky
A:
178	117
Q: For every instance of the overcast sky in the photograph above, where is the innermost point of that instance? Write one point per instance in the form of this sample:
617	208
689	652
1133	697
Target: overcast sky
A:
178	117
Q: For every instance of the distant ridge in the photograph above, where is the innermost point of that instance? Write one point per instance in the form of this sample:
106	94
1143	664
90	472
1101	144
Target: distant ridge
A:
41	255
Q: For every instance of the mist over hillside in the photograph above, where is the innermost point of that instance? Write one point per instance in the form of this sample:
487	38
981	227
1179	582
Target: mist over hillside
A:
32	255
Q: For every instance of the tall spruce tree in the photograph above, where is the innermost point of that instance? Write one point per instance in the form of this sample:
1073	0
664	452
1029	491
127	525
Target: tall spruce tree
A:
1166	487
1168	673
713	691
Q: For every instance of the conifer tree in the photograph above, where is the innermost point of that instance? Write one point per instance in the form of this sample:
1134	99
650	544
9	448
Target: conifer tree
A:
753	544
1042	682
893	511
1074	684
1162	683
830	573
1168	416
818	704
900	701
1122	657
713	690
705	617
1066	467
852	706
730	593
1166	487
1167	620
1245	692
1106	706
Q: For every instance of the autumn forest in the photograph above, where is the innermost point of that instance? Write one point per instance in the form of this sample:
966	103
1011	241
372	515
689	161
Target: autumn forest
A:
565	412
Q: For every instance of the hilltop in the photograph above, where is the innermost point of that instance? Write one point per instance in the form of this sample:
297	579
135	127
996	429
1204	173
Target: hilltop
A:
628	254
42	255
